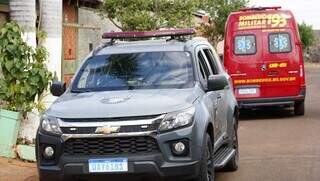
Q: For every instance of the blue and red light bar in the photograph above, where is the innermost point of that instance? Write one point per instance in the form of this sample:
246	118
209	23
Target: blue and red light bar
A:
261	8
148	34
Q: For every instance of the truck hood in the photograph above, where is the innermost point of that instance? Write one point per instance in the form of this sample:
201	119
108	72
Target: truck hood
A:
126	103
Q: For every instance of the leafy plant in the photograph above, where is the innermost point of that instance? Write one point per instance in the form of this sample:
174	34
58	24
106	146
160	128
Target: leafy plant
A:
307	35
219	11
143	15
25	75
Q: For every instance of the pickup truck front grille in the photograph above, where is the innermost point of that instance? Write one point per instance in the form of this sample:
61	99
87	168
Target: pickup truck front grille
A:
85	120
126	124
123	129
110	146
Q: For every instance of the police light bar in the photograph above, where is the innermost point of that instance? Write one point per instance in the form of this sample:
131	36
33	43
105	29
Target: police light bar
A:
261	8
148	34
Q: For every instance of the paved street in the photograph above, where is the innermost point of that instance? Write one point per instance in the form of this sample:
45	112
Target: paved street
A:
277	146
274	144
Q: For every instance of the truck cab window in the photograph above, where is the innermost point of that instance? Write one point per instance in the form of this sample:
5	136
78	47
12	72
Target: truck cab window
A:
211	61
204	70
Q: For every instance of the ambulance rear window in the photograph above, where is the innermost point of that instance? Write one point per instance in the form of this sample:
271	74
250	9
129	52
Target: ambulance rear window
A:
245	45
279	43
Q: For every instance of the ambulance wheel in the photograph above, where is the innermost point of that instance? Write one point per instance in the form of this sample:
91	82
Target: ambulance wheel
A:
299	108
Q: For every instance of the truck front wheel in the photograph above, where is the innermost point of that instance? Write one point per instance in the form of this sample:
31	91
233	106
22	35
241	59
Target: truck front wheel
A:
207	164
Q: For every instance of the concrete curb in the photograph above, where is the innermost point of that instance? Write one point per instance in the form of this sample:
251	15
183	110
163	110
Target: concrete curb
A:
27	152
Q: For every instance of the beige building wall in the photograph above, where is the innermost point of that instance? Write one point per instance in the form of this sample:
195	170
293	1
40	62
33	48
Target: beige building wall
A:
92	26
3	18
88	28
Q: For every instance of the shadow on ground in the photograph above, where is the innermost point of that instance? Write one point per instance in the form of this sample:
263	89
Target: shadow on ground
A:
266	113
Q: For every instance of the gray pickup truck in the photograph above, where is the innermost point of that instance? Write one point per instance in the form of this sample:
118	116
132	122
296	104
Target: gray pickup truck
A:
161	109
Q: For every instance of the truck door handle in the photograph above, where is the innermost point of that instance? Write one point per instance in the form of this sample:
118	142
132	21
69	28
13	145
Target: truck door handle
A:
273	73
293	72
219	96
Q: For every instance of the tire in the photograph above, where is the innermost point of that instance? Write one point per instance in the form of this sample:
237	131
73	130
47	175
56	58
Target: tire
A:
207	163
233	163
299	108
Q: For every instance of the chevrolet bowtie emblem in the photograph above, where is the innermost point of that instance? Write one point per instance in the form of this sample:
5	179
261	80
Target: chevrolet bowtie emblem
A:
107	129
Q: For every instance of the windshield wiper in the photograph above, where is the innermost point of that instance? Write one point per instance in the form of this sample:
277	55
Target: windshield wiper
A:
81	91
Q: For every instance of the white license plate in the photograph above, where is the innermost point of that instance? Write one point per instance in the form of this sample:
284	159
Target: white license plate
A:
108	165
247	91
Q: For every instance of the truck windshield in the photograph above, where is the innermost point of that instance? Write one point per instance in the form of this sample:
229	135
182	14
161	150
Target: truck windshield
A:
150	70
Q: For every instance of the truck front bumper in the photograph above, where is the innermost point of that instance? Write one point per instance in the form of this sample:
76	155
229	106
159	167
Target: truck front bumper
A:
139	167
157	165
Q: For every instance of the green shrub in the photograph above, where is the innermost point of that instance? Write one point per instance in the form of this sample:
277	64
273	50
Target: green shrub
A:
307	35
146	15
25	75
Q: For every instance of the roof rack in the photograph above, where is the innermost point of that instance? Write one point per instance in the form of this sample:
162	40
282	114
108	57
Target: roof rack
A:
149	34
142	34
261	8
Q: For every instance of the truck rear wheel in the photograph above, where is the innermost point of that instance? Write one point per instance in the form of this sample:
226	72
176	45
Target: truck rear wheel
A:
299	108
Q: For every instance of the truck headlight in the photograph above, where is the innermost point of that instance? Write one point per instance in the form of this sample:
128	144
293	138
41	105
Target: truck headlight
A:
50	124
177	120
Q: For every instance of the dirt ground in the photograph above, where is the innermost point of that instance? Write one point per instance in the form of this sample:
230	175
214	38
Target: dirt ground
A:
275	145
14	170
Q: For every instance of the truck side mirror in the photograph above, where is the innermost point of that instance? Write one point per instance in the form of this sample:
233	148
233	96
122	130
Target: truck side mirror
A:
57	88
217	82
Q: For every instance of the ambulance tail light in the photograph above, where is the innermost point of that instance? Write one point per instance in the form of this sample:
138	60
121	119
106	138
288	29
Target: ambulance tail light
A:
302	78
301	71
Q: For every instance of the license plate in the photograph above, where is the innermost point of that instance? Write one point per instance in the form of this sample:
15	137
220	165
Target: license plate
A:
108	165
248	91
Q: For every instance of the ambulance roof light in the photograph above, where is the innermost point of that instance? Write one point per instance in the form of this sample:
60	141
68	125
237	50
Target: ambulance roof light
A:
261	8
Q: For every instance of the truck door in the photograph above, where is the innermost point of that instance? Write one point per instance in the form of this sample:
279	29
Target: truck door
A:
213	98
244	63
222	94
281	59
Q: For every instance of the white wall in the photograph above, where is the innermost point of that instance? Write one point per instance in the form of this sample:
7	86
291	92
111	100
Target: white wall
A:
29	126
51	23
220	47
24	13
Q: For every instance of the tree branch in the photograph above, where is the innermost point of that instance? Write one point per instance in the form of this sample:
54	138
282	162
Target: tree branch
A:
115	24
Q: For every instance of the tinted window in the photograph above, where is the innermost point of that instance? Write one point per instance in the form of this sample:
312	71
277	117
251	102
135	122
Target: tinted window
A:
245	45
203	67
211	60
279	42
203	76
152	70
